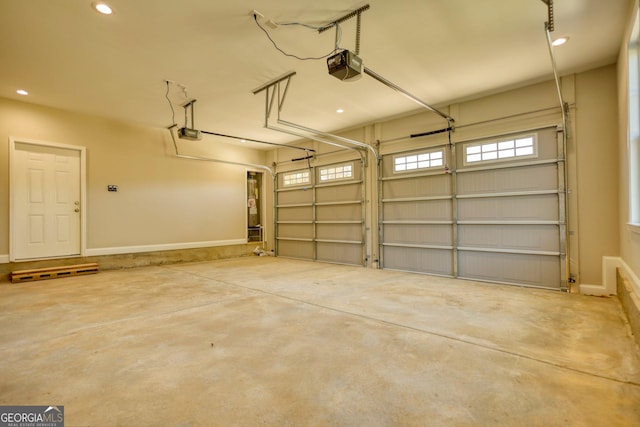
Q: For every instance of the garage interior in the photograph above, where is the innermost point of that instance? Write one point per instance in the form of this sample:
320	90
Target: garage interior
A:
321	214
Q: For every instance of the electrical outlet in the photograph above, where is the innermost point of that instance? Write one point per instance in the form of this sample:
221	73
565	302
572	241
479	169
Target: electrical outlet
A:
256	14
113	188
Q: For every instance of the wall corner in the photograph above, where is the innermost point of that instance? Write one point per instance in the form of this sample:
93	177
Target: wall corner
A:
608	287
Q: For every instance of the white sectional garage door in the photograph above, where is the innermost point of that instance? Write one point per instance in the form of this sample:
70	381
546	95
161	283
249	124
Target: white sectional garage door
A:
417	212
498	215
319	213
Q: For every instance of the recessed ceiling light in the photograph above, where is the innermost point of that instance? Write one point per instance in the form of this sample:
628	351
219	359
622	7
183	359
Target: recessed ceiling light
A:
560	41
22	92
339	111
243	140
102	8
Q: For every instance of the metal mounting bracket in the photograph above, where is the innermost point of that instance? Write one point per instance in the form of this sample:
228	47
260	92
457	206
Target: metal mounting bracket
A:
274	92
273	88
549	24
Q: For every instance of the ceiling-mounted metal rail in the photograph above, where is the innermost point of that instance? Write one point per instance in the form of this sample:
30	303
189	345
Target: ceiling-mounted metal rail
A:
315	138
275	93
349	15
549	27
208	159
394	86
272	82
189	106
326	134
256	141
563	104
550	24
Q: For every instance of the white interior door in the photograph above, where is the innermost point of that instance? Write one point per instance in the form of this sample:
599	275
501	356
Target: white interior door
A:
46	196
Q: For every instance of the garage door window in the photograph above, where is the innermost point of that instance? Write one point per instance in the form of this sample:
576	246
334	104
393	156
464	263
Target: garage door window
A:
334	173
296	178
522	146
412	162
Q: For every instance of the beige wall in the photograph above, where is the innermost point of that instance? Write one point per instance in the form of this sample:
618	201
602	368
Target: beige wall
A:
167	200
162	199
596	115
629	240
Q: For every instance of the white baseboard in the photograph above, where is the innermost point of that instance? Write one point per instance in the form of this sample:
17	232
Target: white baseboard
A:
163	247
609	278
594	290
4	259
608	286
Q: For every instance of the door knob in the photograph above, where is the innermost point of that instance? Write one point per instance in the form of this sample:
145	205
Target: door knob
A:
76	210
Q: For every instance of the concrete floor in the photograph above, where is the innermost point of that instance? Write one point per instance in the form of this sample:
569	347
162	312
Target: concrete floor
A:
269	341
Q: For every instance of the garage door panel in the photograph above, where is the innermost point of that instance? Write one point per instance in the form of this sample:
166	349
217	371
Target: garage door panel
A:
304	231
532	270
301	213
320	215
339	193
530	178
295	249
422	234
516	237
431	261
295	197
351	232
340	253
419	186
434	210
540	207
339	212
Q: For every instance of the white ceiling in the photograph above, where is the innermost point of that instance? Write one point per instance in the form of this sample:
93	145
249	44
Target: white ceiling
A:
68	56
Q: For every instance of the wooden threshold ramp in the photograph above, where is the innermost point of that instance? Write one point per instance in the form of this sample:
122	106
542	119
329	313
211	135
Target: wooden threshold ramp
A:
53	272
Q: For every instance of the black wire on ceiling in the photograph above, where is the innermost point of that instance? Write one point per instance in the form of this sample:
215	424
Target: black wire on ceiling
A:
173	113
335	49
